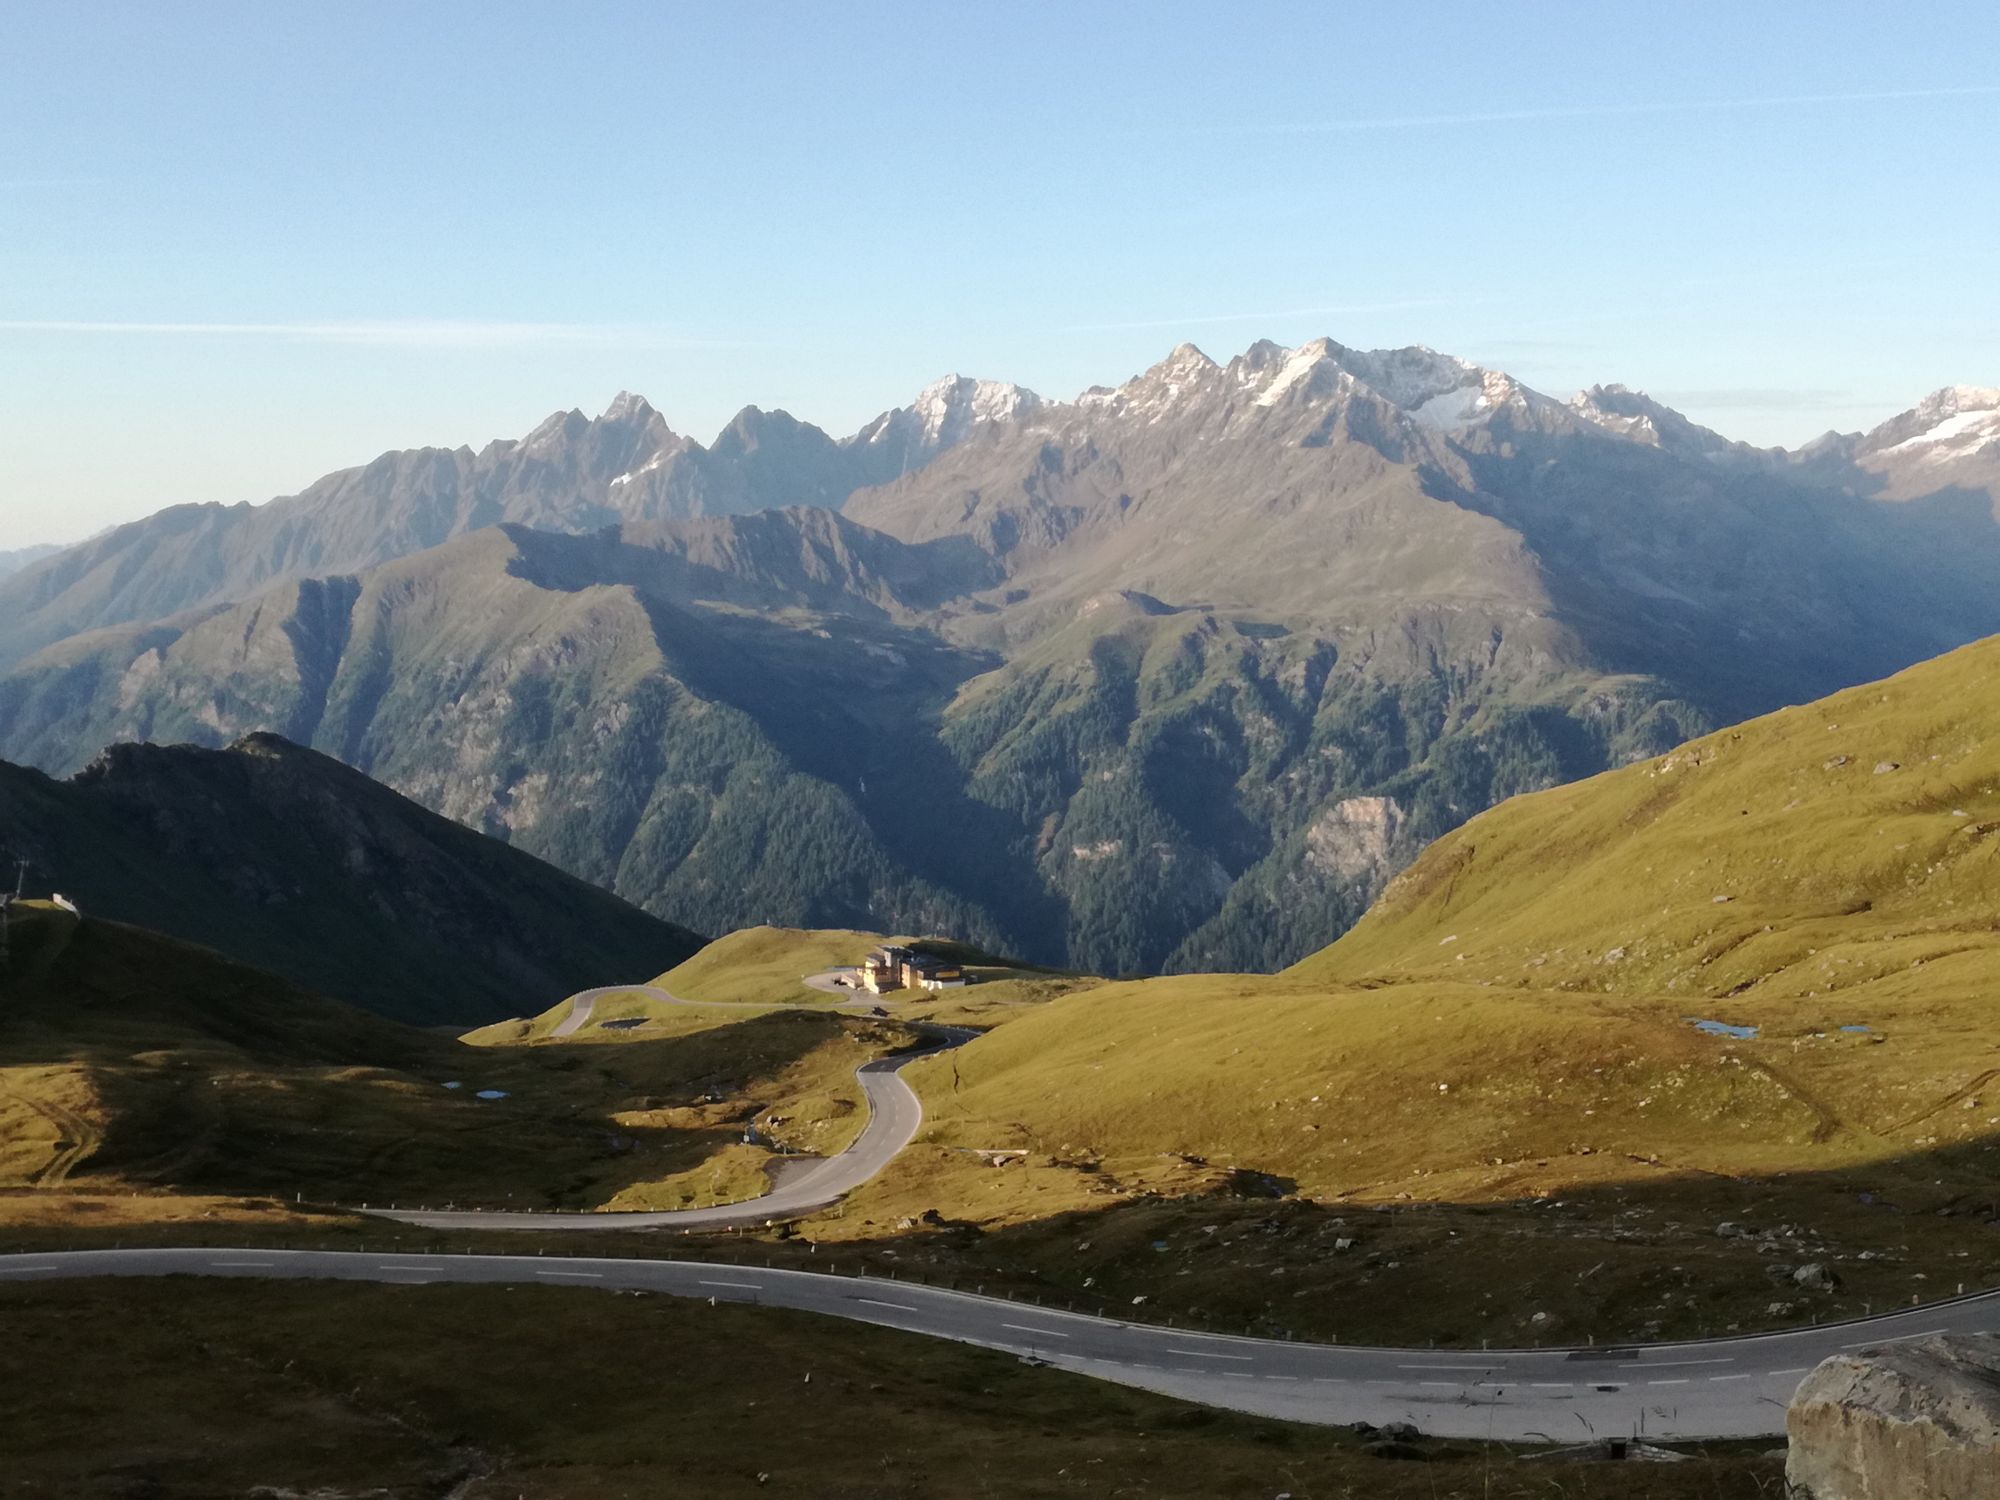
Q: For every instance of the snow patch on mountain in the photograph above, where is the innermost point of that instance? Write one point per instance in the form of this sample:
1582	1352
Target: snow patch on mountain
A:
1299	366
946	412
644	469
1950	423
950	408
1450	410
1955	431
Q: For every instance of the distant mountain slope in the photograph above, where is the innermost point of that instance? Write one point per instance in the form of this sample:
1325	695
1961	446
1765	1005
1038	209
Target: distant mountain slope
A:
572	474
21	557
1174	675
1846	849
286	860
721	720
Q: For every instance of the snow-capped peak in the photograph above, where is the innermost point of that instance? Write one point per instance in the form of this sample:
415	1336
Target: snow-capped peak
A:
945	412
1946	424
1949	422
1299	365
951	407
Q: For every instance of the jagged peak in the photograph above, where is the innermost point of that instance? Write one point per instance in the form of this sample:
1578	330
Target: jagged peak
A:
627	405
1951	420
554	426
1182	360
948	409
1955	400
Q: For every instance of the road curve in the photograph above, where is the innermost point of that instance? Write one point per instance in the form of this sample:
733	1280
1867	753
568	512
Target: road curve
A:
1730	1388
581	1005
894	1113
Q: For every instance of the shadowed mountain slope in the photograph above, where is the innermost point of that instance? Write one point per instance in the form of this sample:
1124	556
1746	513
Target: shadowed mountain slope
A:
290	861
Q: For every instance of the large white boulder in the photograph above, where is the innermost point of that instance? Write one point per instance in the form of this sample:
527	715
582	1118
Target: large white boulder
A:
1915	1421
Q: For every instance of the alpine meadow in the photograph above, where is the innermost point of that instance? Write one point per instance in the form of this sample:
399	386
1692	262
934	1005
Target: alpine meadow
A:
1365	866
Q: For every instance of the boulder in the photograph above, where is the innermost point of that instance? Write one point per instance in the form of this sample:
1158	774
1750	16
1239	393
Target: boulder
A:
1898	1422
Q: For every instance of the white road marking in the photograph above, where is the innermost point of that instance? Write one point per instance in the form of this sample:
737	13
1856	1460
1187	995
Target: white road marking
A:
1292	1378
1024	1328
1671	1364
585	1275
1681	1381
900	1307
1476	1369
1440	1385
246	1265
20	1270
387	1267
1799	1371
1896	1339
1328	1380
1237	1375
741	1286
1198	1354
1713	1378
1553	1385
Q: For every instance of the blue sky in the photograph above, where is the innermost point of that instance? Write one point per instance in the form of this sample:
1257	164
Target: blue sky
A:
243	244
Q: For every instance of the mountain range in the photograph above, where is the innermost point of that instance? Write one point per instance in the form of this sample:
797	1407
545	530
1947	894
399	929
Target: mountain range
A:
1173	675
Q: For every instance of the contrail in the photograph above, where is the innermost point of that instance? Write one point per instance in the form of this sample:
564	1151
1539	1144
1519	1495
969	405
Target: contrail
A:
1593	111
415	334
1256	317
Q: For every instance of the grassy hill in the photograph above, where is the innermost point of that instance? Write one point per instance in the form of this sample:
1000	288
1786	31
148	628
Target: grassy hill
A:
766	964
1516	1025
1847	850
288	860
137	1073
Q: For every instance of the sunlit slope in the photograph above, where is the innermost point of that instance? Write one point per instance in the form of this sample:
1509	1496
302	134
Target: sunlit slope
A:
766	964
1517	1015
1349	1090
1849	847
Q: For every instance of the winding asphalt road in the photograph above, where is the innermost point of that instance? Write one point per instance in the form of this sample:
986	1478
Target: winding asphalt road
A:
1732	1388
894	1113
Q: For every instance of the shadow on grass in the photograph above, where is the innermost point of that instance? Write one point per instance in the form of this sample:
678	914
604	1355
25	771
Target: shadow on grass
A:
210	1078
1657	1256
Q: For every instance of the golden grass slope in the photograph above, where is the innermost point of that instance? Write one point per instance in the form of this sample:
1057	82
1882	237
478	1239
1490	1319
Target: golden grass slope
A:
766	965
1847	849
1515	1014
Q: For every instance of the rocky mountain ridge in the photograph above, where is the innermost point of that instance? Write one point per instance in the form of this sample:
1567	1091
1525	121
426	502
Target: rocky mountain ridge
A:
1175	674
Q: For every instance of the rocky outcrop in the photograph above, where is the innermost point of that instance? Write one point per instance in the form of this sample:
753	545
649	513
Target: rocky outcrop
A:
1917	1421
1355	839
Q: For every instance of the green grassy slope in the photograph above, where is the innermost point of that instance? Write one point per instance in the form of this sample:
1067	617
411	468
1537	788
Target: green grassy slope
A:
1847	850
288	860
1513	1025
766	964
